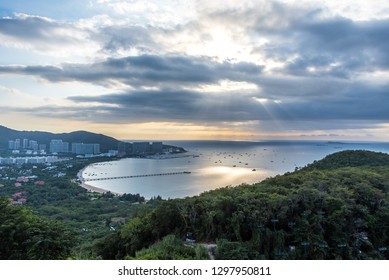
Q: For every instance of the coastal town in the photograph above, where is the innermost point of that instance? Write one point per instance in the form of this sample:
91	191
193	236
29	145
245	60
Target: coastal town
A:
26	165
49	180
20	179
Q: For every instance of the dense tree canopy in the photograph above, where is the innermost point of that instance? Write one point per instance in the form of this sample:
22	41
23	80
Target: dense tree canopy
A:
336	208
24	235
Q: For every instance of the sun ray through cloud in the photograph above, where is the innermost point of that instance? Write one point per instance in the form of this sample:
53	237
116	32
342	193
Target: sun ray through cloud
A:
287	67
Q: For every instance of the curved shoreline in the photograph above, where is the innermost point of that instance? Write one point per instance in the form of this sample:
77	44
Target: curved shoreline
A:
91	188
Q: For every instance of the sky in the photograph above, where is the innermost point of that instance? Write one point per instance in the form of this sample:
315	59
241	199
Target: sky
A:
180	69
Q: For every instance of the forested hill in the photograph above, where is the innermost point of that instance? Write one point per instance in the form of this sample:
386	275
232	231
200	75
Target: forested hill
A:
351	158
106	142
336	208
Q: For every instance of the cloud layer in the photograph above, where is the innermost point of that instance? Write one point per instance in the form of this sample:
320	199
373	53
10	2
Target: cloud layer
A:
248	65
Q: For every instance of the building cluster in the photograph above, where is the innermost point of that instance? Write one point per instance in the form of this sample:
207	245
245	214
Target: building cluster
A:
30	160
26	145
55	146
58	146
140	148
84	149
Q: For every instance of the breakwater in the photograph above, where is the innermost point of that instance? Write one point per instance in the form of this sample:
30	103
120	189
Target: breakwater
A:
136	176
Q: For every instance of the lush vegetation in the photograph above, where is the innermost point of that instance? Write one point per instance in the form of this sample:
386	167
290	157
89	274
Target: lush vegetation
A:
26	236
323	211
335	208
350	159
61	200
171	248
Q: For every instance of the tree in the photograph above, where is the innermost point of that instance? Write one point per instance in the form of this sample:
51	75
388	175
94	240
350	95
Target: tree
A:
227	250
24	235
171	248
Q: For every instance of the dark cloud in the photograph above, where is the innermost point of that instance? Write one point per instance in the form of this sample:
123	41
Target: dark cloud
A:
144	70
360	107
344	35
353	46
178	105
306	37
334	46
30	28
286	99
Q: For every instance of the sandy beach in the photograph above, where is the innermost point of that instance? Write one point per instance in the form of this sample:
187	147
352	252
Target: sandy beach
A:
89	187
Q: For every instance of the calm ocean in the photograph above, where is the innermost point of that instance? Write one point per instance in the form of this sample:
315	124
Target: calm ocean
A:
214	164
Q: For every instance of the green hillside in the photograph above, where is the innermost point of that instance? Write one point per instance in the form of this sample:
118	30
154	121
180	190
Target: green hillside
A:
336	208
351	158
25	236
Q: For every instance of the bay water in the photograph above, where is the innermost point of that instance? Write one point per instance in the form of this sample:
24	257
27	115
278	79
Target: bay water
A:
213	164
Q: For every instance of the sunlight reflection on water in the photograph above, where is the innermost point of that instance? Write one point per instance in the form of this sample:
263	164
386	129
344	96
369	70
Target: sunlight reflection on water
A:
213	165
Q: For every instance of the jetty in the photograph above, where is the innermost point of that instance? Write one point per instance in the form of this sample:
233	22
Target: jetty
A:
136	176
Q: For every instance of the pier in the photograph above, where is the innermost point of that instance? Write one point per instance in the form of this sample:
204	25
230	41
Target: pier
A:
136	176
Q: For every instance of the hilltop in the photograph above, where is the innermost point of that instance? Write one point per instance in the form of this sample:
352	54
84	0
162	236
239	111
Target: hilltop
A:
106	142
350	158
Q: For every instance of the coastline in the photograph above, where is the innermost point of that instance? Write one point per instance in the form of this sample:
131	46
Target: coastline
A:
216	166
91	188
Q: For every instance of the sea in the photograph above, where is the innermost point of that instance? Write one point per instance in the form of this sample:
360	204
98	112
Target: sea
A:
209	165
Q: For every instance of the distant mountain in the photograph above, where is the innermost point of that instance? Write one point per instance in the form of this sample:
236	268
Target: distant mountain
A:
106	142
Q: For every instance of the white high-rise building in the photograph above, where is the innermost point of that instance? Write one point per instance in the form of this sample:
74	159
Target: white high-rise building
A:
25	144
84	149
58	146
17	144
